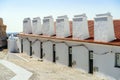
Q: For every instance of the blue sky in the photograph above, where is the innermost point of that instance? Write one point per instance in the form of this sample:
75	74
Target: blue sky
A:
14	11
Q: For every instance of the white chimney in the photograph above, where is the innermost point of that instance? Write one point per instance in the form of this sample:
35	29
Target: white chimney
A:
103	28
48	26
62	27
27	26
36	26
80	27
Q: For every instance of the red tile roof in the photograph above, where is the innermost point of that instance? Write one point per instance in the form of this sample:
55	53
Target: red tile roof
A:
117	28
91	31
91	28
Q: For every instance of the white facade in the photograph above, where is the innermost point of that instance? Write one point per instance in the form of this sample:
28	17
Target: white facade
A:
62	27
27	27
48	28
36	48
80	58
36	26
20	45
103	56
103	59
80	27
48	51
62	54
26	47
103	28
106	62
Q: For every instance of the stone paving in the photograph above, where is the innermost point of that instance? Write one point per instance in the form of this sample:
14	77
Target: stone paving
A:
5	73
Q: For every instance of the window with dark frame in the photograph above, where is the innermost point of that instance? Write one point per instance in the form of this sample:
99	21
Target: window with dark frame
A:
117	60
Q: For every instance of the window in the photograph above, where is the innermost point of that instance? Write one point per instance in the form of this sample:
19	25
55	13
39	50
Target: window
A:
117	60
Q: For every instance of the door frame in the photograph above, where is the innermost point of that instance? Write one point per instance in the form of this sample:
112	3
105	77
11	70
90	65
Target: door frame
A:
91	62
21	45
30	48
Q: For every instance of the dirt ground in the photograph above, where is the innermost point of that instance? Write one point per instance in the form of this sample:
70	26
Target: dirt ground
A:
50	71
45	70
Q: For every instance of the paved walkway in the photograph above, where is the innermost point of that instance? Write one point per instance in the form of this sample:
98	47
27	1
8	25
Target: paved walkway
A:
21	74
4	71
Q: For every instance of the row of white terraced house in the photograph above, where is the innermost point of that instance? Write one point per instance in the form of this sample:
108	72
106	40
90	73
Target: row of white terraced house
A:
99	59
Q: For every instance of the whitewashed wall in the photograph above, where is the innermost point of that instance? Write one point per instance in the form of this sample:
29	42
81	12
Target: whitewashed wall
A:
36	49
62	54
26	46
48	51
80	56
105	63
